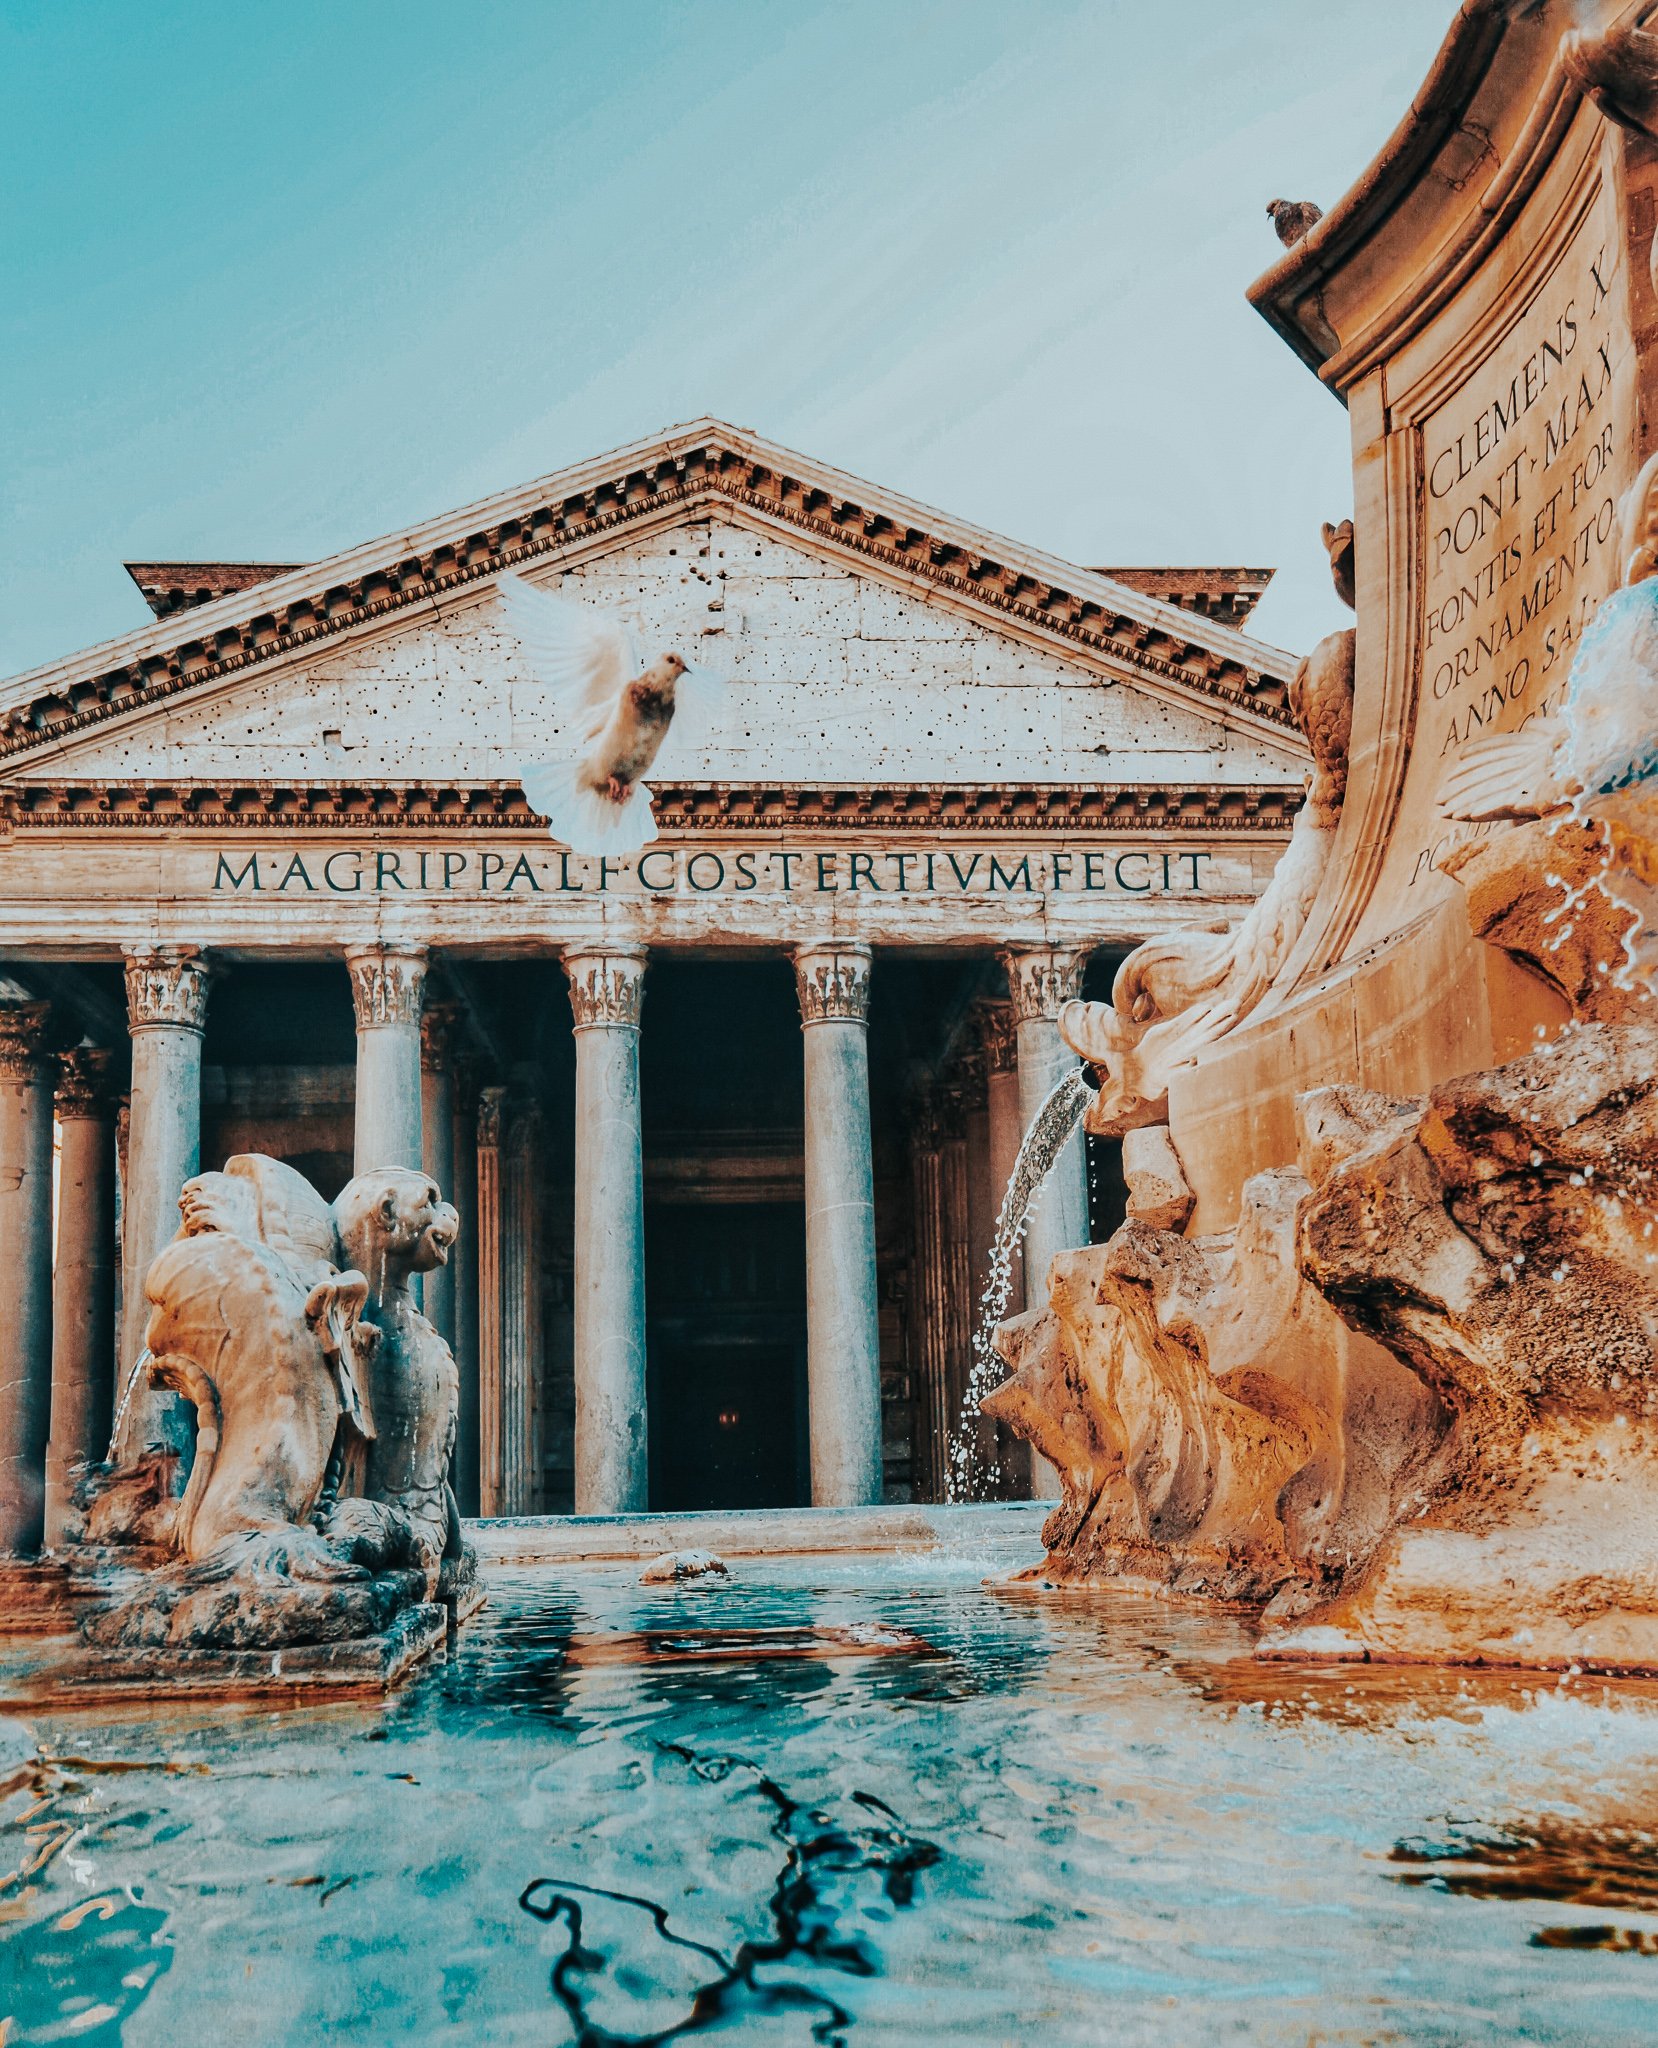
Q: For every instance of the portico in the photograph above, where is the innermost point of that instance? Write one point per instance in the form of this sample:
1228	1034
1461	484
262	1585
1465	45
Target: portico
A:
727	1120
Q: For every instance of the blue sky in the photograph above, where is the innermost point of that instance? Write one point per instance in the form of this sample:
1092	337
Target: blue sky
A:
278	278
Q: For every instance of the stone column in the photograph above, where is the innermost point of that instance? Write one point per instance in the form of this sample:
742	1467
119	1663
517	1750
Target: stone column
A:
26	1250
491	1104
520	1490
607	987
83	1284
437	1139
386	987
1005	1127
464	1299
843	1339
927	1332
1040	979
166	1011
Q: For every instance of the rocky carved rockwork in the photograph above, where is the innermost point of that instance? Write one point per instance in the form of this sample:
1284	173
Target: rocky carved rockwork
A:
1500	1239
1216	1429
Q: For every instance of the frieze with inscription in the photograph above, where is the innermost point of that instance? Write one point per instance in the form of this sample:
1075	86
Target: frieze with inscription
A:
708	870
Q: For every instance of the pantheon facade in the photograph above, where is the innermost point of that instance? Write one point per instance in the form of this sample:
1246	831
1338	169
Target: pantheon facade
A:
727	1121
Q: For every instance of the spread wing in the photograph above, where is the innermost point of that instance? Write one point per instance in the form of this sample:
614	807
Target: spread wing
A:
582	654
1506	775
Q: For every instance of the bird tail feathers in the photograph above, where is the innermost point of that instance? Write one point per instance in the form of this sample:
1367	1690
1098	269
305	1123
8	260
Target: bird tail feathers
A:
583	817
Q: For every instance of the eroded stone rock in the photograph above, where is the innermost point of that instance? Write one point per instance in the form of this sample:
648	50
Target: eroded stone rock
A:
674	1565
1157	1191
1215	1427
1501	1241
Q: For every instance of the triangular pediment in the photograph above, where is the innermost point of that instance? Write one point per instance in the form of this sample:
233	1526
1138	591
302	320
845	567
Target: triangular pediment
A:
862	637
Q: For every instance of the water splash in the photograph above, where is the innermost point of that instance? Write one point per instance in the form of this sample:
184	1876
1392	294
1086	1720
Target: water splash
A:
143	1359
968	1473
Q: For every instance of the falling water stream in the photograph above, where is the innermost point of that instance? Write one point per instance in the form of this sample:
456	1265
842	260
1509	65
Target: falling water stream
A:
1051	1130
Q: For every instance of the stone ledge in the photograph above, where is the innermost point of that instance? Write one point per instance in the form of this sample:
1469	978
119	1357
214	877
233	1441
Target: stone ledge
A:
74	1676
751	1532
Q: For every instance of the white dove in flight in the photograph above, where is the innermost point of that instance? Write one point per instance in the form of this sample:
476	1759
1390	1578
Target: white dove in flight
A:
617	709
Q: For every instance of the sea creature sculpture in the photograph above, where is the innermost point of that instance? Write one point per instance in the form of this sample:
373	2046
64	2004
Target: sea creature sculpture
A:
617	707
290	1326
400	1509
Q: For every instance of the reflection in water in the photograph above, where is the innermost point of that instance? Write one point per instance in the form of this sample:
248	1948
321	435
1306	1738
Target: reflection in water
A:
1111	1825
1581	1864
822	1860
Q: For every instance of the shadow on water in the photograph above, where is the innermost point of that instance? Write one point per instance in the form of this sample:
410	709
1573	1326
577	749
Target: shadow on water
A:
820	1856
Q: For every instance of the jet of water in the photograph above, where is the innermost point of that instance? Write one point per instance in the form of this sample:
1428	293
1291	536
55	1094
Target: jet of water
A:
122	1405
1051	1130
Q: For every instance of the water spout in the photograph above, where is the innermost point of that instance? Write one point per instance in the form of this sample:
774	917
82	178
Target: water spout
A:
143	1359
1050	1131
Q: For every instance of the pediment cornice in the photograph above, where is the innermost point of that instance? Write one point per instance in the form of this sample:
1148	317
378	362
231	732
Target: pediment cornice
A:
576	514
680	807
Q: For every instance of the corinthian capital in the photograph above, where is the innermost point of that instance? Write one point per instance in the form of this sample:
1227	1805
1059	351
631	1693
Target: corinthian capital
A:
23	1028
84	1083
997	1036
1040	978
831	977
386	984
607	984
167	987
439	1030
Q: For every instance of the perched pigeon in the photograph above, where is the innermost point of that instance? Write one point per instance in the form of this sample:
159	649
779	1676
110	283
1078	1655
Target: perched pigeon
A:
1293	218
616	708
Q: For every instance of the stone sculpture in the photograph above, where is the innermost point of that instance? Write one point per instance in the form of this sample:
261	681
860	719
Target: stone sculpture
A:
1410	1403
1215	1428
1173	996
317	1506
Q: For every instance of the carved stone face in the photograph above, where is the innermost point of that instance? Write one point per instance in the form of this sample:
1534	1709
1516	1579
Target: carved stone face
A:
397	1216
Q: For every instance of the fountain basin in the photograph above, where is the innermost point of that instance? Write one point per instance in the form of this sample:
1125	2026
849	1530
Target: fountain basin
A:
1068	1802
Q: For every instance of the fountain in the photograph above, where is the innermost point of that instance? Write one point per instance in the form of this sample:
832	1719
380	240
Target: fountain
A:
1394	1386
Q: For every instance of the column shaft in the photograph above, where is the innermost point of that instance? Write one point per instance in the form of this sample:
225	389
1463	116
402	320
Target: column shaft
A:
83	1284
490	1105
387	983
606	994
26	1245
166	1011
437	1139
927	1305
465	1296
520	1315
1040	980
843	1337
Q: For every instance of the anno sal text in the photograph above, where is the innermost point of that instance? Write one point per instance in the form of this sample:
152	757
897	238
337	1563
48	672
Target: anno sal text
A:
661	871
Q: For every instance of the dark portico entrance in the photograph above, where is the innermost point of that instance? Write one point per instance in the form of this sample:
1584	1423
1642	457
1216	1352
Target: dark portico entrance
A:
725	1235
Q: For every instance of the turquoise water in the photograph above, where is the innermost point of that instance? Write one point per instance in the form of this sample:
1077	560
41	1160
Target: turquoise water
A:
1080	1818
